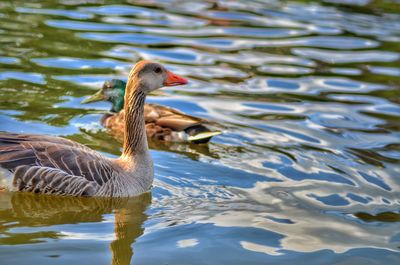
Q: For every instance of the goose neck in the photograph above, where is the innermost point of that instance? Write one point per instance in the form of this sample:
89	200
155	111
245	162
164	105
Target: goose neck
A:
135	140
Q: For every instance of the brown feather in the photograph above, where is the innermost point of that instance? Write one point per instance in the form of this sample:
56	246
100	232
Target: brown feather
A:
28	155
169	117
46	180
161	122
53	165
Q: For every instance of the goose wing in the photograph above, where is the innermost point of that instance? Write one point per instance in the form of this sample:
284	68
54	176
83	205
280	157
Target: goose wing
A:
20	137
46	164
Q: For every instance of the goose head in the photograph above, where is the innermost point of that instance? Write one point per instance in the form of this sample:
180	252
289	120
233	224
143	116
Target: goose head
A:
149	76
144	77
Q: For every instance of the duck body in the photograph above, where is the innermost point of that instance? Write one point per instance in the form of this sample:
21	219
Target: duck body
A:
54	165
162	123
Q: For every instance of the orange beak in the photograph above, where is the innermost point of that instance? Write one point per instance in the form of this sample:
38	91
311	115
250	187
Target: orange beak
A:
174	80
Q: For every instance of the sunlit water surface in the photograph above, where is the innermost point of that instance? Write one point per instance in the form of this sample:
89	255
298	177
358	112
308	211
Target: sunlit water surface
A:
307	93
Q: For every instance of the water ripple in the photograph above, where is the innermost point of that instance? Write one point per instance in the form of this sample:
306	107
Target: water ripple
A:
305	93
335	57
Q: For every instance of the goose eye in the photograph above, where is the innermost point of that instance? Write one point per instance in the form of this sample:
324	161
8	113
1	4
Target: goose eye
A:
157	70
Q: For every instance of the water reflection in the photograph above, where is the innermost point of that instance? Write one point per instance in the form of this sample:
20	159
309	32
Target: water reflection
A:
307	96
48	218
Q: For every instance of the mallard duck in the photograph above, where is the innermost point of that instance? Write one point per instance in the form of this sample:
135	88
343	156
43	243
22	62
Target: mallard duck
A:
162	123
54	165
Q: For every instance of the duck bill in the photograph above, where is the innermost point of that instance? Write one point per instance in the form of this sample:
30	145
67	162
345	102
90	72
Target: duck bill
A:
174	80
93	98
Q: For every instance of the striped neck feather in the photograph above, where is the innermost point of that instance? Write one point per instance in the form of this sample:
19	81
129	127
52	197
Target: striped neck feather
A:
135	140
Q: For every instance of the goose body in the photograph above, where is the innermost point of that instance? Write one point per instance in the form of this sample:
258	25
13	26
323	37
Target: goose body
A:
54	165
162	123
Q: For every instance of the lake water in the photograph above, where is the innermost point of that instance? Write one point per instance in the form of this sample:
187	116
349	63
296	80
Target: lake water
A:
307	94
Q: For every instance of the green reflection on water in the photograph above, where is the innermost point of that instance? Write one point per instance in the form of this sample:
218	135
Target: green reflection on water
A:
29	218
354	117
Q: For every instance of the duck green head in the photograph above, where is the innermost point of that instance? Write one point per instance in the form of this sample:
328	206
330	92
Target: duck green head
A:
112	91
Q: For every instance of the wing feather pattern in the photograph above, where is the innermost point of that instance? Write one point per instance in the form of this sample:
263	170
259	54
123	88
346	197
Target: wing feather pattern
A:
47	180
46	164
161	122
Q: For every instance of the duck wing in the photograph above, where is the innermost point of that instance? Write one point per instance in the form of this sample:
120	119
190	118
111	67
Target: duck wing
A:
45	164
162	123
169	117
156	114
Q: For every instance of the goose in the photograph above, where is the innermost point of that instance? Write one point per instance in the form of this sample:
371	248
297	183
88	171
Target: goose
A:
162	123
54	165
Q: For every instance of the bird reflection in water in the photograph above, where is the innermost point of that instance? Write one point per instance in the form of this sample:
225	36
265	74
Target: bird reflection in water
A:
19	210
